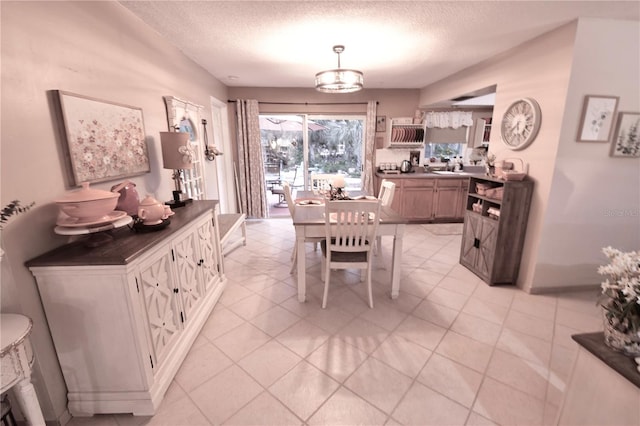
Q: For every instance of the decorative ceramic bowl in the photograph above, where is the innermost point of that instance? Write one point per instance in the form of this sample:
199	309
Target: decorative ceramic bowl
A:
88	204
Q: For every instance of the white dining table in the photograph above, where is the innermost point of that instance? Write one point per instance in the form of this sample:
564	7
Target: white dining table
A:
308	220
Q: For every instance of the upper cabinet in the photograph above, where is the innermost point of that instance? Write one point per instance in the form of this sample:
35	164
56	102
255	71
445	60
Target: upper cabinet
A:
403	133
482	132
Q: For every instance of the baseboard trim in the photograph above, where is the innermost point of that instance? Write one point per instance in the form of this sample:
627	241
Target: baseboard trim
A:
562	289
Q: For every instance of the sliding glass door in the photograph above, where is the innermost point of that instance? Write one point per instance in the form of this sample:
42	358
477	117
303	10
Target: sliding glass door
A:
295	146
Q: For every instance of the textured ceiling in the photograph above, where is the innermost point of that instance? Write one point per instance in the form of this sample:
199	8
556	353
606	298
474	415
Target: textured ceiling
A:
396	44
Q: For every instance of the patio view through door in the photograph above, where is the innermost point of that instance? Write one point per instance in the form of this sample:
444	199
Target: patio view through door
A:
295	146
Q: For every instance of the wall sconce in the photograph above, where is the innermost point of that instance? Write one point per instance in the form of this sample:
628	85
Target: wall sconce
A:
177	155
210	152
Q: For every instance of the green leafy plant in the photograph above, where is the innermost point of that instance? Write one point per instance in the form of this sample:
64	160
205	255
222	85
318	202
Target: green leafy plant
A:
12	209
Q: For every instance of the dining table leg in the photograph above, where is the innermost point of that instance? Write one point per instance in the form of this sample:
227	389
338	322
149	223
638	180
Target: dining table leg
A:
396	262
301	255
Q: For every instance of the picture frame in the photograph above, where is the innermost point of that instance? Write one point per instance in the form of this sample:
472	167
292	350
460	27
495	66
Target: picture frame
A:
102	140
626	138
596	121
381	123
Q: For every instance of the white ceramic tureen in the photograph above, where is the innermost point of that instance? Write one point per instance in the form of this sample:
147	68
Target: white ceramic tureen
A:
88	204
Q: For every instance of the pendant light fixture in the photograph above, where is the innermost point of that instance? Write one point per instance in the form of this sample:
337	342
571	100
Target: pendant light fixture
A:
339	80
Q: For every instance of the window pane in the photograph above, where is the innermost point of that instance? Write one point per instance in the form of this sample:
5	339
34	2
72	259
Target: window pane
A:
443	150
336	148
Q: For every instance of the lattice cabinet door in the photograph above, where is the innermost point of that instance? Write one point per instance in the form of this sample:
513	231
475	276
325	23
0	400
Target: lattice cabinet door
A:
209	255
486	251
163	312
188	264
470	240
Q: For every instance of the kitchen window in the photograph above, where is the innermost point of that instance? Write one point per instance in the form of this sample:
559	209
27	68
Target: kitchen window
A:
440	150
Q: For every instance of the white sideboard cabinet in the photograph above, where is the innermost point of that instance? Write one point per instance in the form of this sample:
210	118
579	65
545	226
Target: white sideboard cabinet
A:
124	315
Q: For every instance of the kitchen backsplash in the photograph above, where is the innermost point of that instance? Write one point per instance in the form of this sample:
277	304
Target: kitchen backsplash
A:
386	155
396	156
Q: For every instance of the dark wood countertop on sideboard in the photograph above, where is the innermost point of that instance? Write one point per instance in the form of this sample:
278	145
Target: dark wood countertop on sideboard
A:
624	365
127	244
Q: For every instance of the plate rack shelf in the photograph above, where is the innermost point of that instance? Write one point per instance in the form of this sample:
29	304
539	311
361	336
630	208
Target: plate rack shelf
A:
403	133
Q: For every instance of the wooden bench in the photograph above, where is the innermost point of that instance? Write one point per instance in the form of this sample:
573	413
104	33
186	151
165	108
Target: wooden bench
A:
229	223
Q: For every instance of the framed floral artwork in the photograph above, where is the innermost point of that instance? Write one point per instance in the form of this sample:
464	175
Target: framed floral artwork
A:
626	140
102	140
381	123
597	116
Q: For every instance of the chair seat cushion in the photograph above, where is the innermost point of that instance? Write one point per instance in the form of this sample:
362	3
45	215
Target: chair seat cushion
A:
342	256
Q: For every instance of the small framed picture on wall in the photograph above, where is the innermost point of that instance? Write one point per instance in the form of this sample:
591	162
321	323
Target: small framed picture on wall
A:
597	117
381	123
626	140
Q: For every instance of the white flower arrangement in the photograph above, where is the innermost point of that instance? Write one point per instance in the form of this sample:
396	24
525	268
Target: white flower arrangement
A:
187	154
621	290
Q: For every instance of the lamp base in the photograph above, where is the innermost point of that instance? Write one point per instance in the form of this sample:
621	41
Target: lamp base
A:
178	203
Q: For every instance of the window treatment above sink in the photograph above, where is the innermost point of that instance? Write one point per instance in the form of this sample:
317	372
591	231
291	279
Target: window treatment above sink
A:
452	119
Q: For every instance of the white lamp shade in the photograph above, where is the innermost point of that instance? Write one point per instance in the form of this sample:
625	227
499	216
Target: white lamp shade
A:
339	81
338	181
175	150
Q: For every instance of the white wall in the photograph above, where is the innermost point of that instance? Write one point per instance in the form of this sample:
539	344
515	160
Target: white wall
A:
595	199
540	69
97	49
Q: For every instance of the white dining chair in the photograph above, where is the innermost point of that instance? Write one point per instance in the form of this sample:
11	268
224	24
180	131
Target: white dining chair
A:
387	191
350	228
292	208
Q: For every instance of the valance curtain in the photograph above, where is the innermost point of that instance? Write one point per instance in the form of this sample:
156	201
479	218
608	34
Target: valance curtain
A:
253	200
444	119
369	147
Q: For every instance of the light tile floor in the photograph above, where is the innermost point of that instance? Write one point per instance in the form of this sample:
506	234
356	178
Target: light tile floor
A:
450	350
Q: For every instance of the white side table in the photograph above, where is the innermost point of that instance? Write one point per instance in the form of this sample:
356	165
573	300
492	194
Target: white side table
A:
16	360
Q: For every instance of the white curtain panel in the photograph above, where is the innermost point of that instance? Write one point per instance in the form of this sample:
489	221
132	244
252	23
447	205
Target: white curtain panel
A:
253	194
369	147
453	119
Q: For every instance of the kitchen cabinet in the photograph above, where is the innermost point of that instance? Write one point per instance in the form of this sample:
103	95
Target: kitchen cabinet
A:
417	198
124	315
447	198
402	133
482	132
430	199
494	228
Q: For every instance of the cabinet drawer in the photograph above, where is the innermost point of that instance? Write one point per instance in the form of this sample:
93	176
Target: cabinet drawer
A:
418	183
452	183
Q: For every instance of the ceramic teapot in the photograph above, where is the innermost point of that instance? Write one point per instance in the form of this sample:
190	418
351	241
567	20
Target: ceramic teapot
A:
129	199
151	211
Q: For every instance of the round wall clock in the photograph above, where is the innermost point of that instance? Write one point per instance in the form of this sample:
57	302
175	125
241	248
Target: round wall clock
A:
520	123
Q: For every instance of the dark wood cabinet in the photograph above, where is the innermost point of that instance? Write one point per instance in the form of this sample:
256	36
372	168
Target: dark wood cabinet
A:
495	225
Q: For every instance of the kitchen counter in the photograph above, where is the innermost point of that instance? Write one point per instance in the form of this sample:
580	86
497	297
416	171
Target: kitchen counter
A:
419	173
429	197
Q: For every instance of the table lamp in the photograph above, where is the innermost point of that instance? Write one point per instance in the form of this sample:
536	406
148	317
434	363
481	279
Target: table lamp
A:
177	155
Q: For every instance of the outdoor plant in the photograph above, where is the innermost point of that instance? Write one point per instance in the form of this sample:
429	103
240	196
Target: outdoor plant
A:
621	290
12	209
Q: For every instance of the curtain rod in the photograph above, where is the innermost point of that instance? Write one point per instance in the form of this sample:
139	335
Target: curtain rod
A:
308	103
